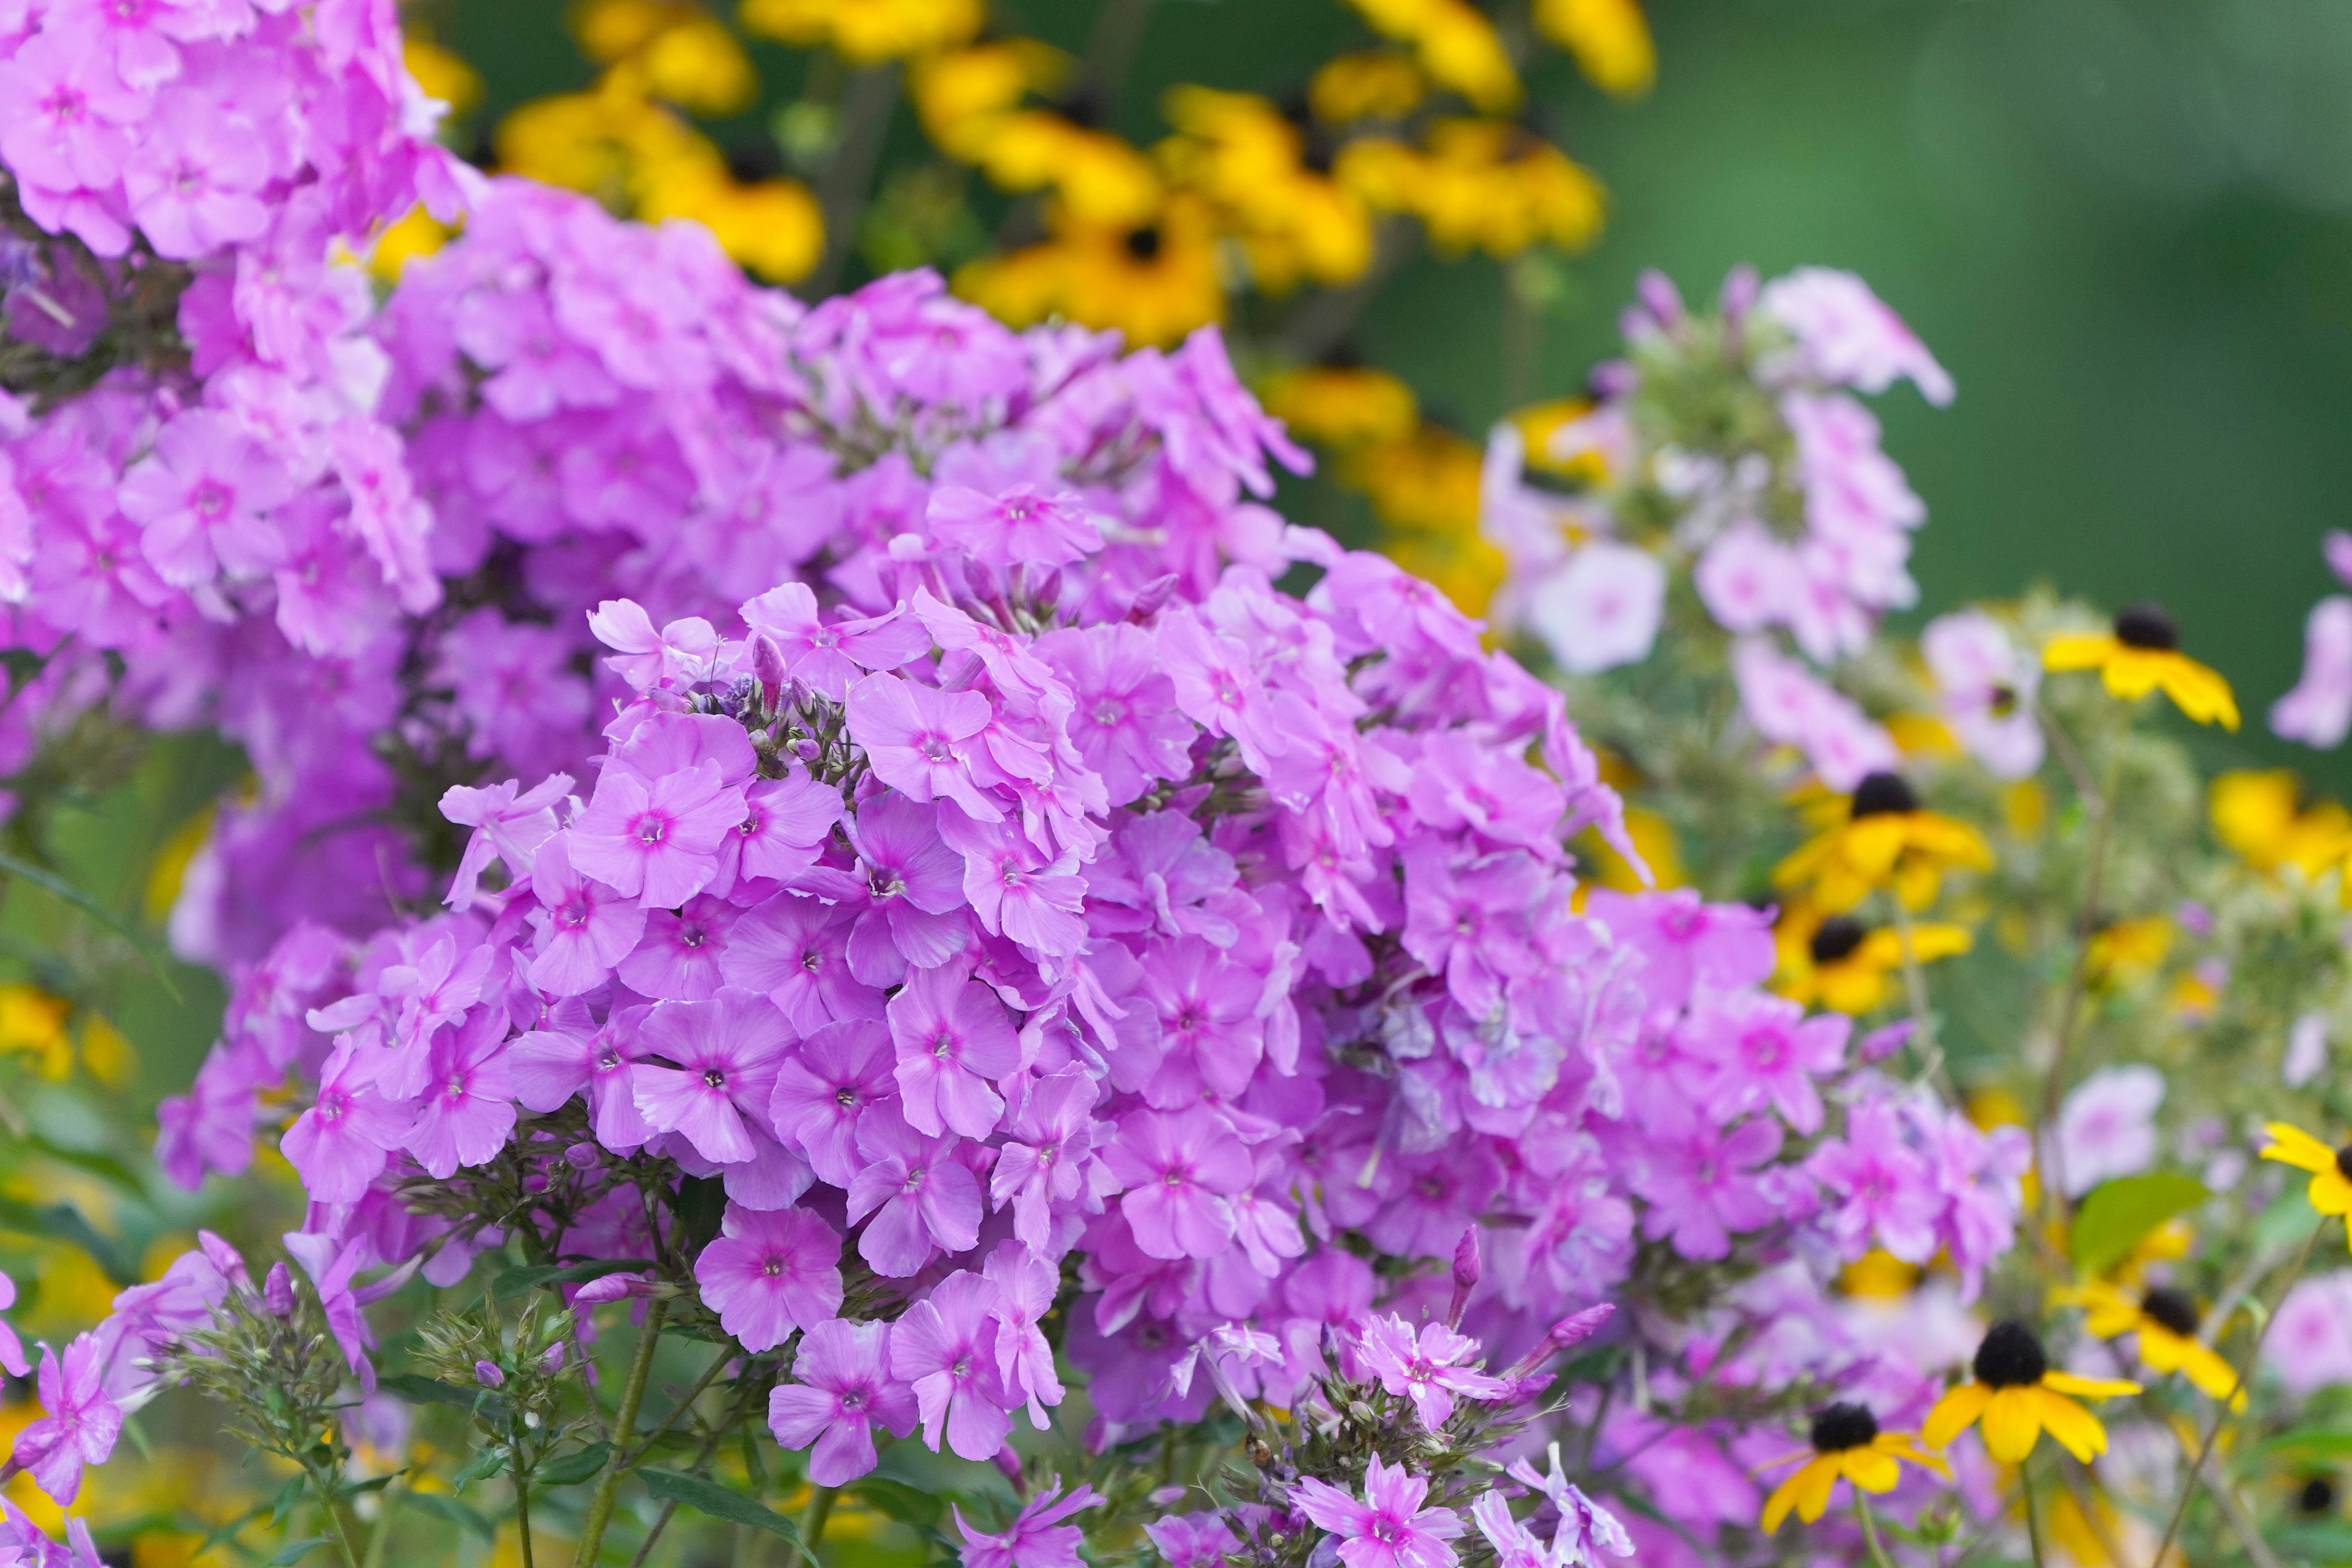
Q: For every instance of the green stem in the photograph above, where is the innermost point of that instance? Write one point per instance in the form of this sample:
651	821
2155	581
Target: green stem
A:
625	1427
2033	1520
1869	1528
812	1522
637	1455
867	102
380	1533
661	1522
1915	989
334	1515
522	1516
2222	1406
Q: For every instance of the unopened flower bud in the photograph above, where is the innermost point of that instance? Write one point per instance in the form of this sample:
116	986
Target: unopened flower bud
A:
1468	1267
583	1156
278	1291
1151	595
1880	1044
768	665
553	1360
488	1374
1009	1463
1577	1327
1168	1496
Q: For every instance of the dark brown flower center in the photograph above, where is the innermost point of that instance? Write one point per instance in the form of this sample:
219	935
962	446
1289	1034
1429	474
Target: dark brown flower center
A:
1884	795
1836	938
1841	1426
2170	1309
2148	626
2011	1357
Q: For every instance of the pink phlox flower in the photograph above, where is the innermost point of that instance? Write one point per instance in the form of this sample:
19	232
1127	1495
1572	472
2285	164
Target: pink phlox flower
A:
2106	1126
584	926
467	1107
1390	1528
659	844
204	499
549	1066
1516	1546
1980	1173
1988	687
1584	1528
1468	916
954	1044
331	1266
916	739
921	1196
1601	609
12	1349
1216	686
80	1425
1023	526
1847	336
1125	723
786	823
1229	1353
824	1088
1014	890
435	987
1788	706
1688	947
794	949
1702	1182
342	1141
707	1067
1462	782
1162	867
1191	1540
2318	712
915	885
1747	579
678	653
845	1389
1757	1051
945	1345
1176	1168
67	123
769	1273
1430	1369
676	959
1037	1538
2310	1342
1025	1283
1886	1194
508	826
827	656
1041	1164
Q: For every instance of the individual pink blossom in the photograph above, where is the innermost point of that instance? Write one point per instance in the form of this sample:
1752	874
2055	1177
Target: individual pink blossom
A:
921	1197
827	656
204	499
1584	1530
510	824
1601	609
1126	724
1177	1169
844	1390
769	1273
676	959
945	1347
2310	1342
550	1065
1988	687
2106	1126
1702	1182
706	1070
584	926
468	1108
1390	1528
915	738
345	1135
1037	1538
646	657
954	1042
1885	1191
2318	712
1848	336
12	1349
1191	1540
1689	947
1516	1546
658	845
1024	526
1043	1161
79	1424
1025	1285
1430	1369
1756	1051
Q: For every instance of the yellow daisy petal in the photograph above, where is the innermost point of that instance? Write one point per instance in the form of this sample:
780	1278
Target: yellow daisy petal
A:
2202	692
1869	1470
2214	1375
1871	844
1954	1414
2073	1426
2292	1145
2330	1192
2088	1387
1814	1484
1903	1445
2013	1420
2131	673
2078	652
1784	1497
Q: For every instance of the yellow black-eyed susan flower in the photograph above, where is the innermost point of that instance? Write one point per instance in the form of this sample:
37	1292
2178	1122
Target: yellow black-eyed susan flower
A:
2128	950
688	56
1886	840
1847	1444
2165	1318
2268	818
1341	405
1454	43
1540	426
2331	1169
2142	655
1367	84
2017	1395
33	1022
1609	38
440	73
1268	177
2318	1498
1483	185
1154	281
1836	962
1424	490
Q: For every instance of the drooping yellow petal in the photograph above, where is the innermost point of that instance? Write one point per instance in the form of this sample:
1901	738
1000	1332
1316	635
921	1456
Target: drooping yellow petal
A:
2330	1192
1814	1484
2089	1387
2013	1420
2081	651
1784	1497
2073	1426
2131	673
1872	843
2292	1145
2202	692
1954	1413
1870	1470
1905	1446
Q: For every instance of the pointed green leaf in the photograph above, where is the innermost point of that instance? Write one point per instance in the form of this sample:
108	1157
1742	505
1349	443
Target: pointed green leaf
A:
2120	1213
704	1495
298	1550
571	1469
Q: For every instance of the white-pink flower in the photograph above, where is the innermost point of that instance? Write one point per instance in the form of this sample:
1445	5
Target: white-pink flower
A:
1849	336
2310	1342
1601	609
2107	1126
2318	712
1987	686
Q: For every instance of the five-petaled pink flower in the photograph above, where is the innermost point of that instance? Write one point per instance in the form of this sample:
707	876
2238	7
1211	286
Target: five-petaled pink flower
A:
844	1390
770	1273
659	844
1389	1528
1431	1370
81	1424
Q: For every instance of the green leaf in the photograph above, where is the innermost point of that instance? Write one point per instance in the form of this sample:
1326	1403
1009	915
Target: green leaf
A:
2316	1446
459	1513
572	1468
484	1465
288	1496
907	1505
2119	1214
56	887
533	1277
63	1222
298	1550
706	1495
701	1205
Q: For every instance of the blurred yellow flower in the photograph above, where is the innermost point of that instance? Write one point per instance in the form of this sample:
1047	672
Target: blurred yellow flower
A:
1340	405
1250	162
959	94
2330	1189
1369	84
2165	1322
1486	185
687	56
415	234
2125	950
106	1052
1103	182
1847	1444
772	227
1423	489
2265	817
1454	43
1835	961
441	74
1884	840
1154	281
1654	840
1609	38
2142	655
2017	1394
1879	1276
34	1022
1539	423
864	32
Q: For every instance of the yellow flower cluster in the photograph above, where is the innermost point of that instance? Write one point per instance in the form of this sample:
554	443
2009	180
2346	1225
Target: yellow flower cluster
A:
864	32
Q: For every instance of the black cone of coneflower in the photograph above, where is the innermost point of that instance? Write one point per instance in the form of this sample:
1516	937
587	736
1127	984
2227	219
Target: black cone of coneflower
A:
1143	243
1836	938
2011	1357
2318	1496
1838	1428
2148	626
2172	1310
2343	1161
1884	795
